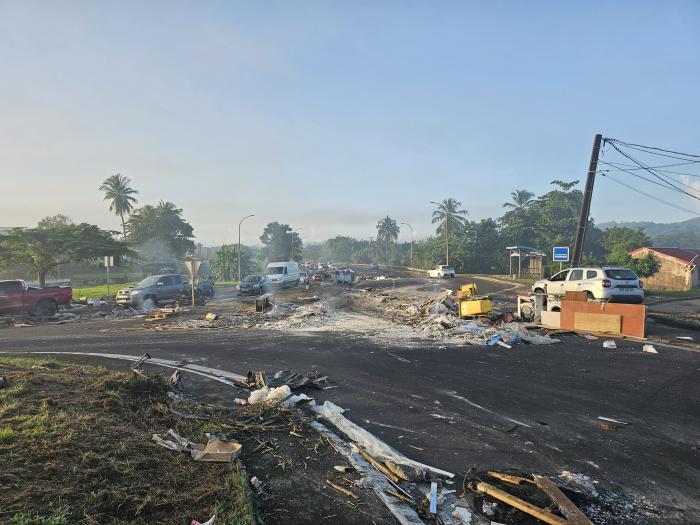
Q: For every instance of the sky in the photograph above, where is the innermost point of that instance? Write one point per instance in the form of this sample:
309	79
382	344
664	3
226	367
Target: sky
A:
330	115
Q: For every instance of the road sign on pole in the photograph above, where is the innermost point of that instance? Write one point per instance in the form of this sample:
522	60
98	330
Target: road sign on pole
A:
193	267
560	254
109	262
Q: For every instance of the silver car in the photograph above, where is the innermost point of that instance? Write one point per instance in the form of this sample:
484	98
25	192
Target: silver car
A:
601	283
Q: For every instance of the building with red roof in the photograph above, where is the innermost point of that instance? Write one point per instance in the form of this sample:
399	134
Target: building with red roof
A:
679	268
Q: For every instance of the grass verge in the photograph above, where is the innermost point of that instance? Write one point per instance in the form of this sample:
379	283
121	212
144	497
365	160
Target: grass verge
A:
75	447
100	290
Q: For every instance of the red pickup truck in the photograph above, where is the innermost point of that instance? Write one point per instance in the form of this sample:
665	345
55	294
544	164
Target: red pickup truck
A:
17	297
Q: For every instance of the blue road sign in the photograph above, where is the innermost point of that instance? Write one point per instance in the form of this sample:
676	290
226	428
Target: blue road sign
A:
560	254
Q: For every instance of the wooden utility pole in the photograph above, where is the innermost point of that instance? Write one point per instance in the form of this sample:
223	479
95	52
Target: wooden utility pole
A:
586	205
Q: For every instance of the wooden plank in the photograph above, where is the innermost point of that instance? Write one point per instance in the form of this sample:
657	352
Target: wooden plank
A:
594	322
529	508
381	468
633	315
576	296
343	490
509	478
567	507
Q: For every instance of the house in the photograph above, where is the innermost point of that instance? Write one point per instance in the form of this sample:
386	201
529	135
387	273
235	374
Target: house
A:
679	268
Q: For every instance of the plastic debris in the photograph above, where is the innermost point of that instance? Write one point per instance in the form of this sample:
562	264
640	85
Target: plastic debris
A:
211	316
610	344
462	515
214	450
267	394
649	349
210	521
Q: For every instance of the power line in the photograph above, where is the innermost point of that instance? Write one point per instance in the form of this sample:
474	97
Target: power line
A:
632	167
654	148
672	188
612	142
638	163
653	197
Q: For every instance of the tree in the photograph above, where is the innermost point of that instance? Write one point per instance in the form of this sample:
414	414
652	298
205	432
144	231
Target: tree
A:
280	242
53	221
117	190
644	266
165	223
224	264
520	199
41	248
387	232
449	209
624	239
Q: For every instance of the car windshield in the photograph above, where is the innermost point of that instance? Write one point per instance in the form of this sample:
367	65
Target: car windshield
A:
274	270
621	274
251	279
149	281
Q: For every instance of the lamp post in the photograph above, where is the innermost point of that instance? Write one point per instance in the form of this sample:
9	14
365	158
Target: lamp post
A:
411	241
239	244
447	233
291	244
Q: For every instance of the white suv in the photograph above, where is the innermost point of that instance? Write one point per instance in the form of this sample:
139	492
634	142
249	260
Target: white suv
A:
441	270
603	283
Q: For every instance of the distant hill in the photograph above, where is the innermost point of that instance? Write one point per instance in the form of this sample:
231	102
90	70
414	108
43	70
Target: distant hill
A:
654	229
684	234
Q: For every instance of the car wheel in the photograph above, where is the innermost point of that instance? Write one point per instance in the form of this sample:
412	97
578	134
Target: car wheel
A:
539	290
590	296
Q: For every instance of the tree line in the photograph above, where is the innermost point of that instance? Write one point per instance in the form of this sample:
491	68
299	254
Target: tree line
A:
471	246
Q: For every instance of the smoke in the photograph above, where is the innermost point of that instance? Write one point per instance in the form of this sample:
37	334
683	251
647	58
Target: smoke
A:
155	250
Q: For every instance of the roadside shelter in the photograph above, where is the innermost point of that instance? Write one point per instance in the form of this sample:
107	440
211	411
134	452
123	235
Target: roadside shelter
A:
529	261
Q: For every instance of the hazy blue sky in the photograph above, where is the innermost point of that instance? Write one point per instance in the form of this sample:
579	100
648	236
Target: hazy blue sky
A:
329	115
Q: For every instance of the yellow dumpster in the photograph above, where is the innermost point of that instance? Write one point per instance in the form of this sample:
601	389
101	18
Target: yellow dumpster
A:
468	290
469	307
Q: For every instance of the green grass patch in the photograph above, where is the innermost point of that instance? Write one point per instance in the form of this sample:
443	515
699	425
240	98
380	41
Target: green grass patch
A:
59	516
8	394
99	290
7	435
236	508
28	362
662	295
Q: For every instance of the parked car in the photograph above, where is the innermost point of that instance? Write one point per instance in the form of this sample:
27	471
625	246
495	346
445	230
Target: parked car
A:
344	277
253	285
441	270
18	297
601	283
283	273
303	278
157	289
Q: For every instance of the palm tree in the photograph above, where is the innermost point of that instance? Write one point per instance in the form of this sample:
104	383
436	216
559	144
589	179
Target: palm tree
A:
448	209
521	199
119	193
387	232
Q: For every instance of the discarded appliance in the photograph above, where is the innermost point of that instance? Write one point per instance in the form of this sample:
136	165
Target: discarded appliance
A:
468	290
475	306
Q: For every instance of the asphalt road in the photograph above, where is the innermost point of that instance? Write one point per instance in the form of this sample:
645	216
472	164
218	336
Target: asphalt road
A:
532	408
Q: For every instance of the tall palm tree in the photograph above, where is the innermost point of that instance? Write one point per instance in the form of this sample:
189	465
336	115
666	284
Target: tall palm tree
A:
387	232
520	199
448	209
119	193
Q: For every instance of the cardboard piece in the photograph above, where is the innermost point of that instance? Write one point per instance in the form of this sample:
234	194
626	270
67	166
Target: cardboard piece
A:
551	319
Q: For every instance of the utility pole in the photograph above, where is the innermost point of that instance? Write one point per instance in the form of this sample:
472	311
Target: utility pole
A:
411	241
239	245
586	205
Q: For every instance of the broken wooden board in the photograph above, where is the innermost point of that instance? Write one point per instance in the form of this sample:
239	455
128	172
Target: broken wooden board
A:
594	322
520	504
509	478
567	507
633	315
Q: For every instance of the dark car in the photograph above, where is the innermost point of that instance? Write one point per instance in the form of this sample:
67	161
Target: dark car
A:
253	285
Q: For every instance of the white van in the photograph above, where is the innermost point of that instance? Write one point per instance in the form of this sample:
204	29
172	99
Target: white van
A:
283	273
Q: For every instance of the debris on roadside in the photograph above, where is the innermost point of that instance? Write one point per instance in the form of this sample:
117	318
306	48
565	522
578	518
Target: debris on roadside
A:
210	521
216	450
609	344
649	349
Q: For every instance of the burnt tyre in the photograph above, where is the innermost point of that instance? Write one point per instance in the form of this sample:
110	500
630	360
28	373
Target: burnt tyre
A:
45	308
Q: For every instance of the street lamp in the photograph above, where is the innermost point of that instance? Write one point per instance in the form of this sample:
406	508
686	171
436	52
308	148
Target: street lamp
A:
291	244
239	244
411	241
447	233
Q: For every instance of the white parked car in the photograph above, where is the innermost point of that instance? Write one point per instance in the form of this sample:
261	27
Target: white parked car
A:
441	270
282	273
303	278
602	283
